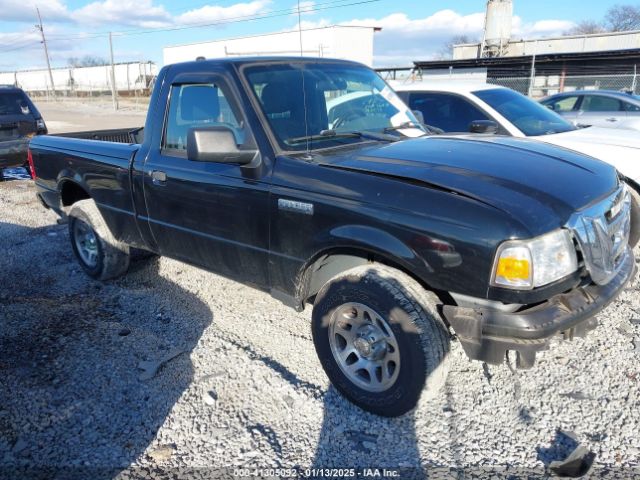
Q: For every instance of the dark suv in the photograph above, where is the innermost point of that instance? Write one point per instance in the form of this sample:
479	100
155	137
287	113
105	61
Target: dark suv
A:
19	121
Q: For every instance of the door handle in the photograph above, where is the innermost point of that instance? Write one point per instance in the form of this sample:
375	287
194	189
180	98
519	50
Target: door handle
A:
612	119
158	177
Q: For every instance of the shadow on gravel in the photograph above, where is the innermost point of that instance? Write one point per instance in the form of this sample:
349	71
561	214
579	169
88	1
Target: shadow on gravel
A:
72	403
352	438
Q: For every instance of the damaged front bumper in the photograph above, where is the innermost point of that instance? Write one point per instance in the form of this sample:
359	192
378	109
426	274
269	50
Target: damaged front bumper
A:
487	334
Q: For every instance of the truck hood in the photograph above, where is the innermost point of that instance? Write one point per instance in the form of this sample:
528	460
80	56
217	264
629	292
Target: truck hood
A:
538	185
619	148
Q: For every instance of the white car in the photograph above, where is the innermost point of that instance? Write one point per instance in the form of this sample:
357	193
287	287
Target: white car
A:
466	107
598	108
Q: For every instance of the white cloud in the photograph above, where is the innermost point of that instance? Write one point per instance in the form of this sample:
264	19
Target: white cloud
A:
542	28
140	13
403	39
25	10
112	14
101	15
306	8
214	13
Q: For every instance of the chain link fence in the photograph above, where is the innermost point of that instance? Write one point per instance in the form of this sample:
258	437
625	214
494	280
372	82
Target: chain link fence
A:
537	86
542	86
133	84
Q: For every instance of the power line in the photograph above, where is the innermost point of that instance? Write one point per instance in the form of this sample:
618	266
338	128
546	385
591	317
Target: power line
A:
239	19
20	47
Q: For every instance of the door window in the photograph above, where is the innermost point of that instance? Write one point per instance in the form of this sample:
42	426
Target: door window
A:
13	103
450	113
598	103
565	104
197	105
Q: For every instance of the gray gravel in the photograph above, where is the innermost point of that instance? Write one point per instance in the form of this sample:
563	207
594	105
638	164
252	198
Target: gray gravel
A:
235	381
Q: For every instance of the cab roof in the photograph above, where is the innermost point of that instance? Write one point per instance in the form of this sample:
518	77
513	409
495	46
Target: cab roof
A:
444	85
256	60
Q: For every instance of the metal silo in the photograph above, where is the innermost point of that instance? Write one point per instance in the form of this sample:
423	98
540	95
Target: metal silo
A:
497	28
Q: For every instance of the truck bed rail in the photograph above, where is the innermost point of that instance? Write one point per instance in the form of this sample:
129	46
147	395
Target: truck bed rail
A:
117	135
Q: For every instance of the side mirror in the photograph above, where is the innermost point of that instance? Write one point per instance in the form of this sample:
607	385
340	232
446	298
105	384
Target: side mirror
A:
419	116
483	126
216	144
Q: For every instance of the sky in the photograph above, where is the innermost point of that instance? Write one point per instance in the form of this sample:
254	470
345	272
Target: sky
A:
411	29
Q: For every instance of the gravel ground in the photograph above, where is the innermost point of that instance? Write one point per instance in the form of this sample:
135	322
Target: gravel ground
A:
243	387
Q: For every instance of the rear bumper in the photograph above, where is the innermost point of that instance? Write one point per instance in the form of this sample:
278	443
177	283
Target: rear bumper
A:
487	335
49	198
13	153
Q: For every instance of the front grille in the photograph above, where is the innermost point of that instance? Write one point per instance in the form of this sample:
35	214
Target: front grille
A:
602	233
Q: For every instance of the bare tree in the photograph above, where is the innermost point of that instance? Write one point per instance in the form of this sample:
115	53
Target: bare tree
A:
446	51
586	27
620	18
86	61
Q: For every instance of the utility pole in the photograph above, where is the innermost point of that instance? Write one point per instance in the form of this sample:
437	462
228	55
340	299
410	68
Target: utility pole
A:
114	90
532	79
46	51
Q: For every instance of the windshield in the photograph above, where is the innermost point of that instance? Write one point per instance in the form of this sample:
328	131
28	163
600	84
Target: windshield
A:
13	103
528	116
341	104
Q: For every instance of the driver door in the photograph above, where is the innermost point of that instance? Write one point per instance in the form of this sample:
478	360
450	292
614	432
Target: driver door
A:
206	213
600	111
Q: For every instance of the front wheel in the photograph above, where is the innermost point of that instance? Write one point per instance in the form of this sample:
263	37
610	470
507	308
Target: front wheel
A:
380	339
101	256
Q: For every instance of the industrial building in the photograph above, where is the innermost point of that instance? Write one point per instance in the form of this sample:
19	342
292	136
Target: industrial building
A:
537	67
130	77
343	42
599	42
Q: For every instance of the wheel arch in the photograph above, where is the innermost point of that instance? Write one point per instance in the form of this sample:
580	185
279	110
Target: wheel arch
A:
71	192
332	261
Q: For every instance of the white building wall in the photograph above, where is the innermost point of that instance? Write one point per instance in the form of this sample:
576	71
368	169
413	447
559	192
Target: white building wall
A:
568	44
351	43
129	77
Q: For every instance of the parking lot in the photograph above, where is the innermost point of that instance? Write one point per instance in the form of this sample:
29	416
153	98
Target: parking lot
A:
173	369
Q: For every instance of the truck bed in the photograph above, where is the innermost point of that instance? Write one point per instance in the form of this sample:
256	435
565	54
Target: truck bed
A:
117	135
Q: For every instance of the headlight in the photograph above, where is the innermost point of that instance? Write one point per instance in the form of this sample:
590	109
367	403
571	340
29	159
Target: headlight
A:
527	264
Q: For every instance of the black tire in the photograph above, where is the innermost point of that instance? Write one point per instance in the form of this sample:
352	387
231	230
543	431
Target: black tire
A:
634	234
111	256
416	327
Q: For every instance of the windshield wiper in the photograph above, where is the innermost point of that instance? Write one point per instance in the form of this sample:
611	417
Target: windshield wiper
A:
329	134
402	126
430	129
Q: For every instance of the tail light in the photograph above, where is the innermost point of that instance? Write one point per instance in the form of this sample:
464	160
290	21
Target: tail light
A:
32	168
41	126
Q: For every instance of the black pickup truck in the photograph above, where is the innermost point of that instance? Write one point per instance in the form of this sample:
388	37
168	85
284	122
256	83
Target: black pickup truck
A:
256	170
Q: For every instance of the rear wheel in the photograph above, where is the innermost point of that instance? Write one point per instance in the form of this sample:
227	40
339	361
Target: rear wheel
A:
98	252
380	339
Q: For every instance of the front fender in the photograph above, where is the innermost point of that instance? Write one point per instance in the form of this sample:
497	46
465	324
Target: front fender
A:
348	246
373	240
